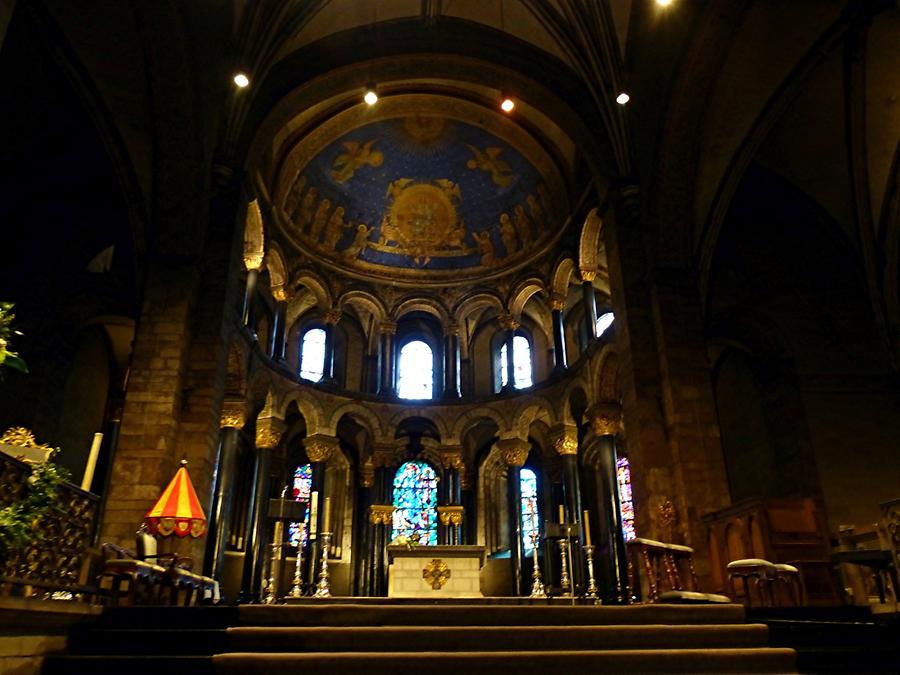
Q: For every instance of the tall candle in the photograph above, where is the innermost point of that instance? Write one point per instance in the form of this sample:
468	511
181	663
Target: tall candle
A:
327	524
587	528
88	477
562	514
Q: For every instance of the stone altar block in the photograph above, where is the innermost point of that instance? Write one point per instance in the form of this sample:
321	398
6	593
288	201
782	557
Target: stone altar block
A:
435	571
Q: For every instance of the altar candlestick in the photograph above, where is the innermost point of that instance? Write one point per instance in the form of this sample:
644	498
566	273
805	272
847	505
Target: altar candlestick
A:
88	477
587	528
562	514
327	524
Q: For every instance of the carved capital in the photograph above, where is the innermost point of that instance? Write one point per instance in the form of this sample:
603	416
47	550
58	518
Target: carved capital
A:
451	329
279	293
381	514
268	431
558	302
232	414
332	315
389	327
383	456
450	515
588	275
565	442
253	260
367	473
451	457
508	322
605	418
514	451
320	447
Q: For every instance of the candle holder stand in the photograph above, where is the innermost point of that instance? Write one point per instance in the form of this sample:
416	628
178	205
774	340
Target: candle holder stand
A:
537	586
323	588
297	589
564	582
591	593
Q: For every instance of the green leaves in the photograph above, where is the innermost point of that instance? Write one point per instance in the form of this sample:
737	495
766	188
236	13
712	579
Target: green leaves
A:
8	358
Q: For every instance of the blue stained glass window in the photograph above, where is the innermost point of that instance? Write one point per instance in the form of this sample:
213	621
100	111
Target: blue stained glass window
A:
416	370
302	489
623	478
530	516
312	355
415	503
521	363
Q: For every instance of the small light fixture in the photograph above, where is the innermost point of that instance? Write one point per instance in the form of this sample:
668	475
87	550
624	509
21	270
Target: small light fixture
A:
371	98
507	104
622	98
663	3
241	80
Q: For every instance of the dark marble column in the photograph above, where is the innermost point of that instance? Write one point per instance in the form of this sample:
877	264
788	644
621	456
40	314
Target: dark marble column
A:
509	325
451	362
331	317
559	335
276	343
268	433
606	421
590	303
565	442
386	354
319	448
232	419
515	453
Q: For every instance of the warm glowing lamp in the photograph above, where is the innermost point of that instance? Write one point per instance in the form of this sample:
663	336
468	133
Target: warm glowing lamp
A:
371	98
622	98
663	3
507	105
241	80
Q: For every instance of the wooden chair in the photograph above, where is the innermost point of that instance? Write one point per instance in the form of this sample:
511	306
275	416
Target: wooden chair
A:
665	573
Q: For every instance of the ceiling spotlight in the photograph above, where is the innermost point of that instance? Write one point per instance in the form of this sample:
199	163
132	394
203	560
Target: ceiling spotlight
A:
663	3
622	98
241	80
507	104
371	97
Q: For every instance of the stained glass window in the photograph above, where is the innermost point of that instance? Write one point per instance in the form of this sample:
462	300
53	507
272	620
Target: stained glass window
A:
623	477
302	488
415	503
530	516
604	321
521	363
312	354
416	372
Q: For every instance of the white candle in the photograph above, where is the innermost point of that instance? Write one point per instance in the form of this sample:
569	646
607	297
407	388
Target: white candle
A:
587	529
92	462
327	524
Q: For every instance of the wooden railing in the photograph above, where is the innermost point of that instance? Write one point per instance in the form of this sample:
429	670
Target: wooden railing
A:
58	562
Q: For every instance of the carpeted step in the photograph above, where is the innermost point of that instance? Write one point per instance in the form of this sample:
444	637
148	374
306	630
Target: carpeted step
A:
168	617
160	642
522	663
485	615
128	665
492	638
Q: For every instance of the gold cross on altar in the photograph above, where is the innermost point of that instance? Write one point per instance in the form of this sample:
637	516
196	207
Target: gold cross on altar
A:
436	573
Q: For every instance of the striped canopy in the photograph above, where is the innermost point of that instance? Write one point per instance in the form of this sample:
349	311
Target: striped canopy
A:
177	510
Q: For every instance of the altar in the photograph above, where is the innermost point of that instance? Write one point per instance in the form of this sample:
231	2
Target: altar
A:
435	571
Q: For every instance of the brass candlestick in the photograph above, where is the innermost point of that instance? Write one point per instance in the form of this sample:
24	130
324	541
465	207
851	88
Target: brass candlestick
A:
323	588
592	584
564	565
537	586
296	590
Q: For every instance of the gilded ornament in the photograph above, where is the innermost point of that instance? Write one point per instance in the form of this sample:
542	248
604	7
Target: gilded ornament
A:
508	322
332	315
514	451
355	156
266	436
381	514
606	418
488	160
450	515
436	573
367	473
232	415
451	459
279	294
557	302
21	437
588	275
319	448
566	444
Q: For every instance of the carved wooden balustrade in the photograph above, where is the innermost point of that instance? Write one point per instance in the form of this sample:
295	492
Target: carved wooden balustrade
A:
58	562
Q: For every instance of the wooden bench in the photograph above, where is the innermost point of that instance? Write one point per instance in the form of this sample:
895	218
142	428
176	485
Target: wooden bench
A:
665	573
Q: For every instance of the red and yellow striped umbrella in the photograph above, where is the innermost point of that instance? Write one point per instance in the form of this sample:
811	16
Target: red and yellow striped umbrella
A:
178	510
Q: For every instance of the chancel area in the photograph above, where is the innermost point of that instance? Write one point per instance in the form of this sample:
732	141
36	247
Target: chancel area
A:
519	333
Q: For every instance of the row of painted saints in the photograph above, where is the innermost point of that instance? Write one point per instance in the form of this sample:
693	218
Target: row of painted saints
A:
421	218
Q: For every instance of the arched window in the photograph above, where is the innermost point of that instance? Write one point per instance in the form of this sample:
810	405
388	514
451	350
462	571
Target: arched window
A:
416	370
312	354
604	321
530	516
521	363
623	478
415	503
302	487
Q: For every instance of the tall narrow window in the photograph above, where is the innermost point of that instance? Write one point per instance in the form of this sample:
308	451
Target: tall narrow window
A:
521	363
312	355
530	516
415	503
416	370
604	321
298	536
623	478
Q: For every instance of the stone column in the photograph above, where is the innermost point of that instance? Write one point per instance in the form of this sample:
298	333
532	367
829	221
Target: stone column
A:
230	424
363	528
452	464
451	361
252	263
387	331
381	519
276	343
515	453
319	449
467	500
590	303
509	325
268	433
331	317
565	442
558	304
606	421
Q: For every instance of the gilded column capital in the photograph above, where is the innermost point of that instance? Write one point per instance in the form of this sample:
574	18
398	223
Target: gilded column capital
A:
557	302
514	451
232	415
367	473
451	457
381	514
268	431
320	447
389	327
605	418
508	322
451	515
253	260
383	455
332	315
279	293
565	441
452	329
588	275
